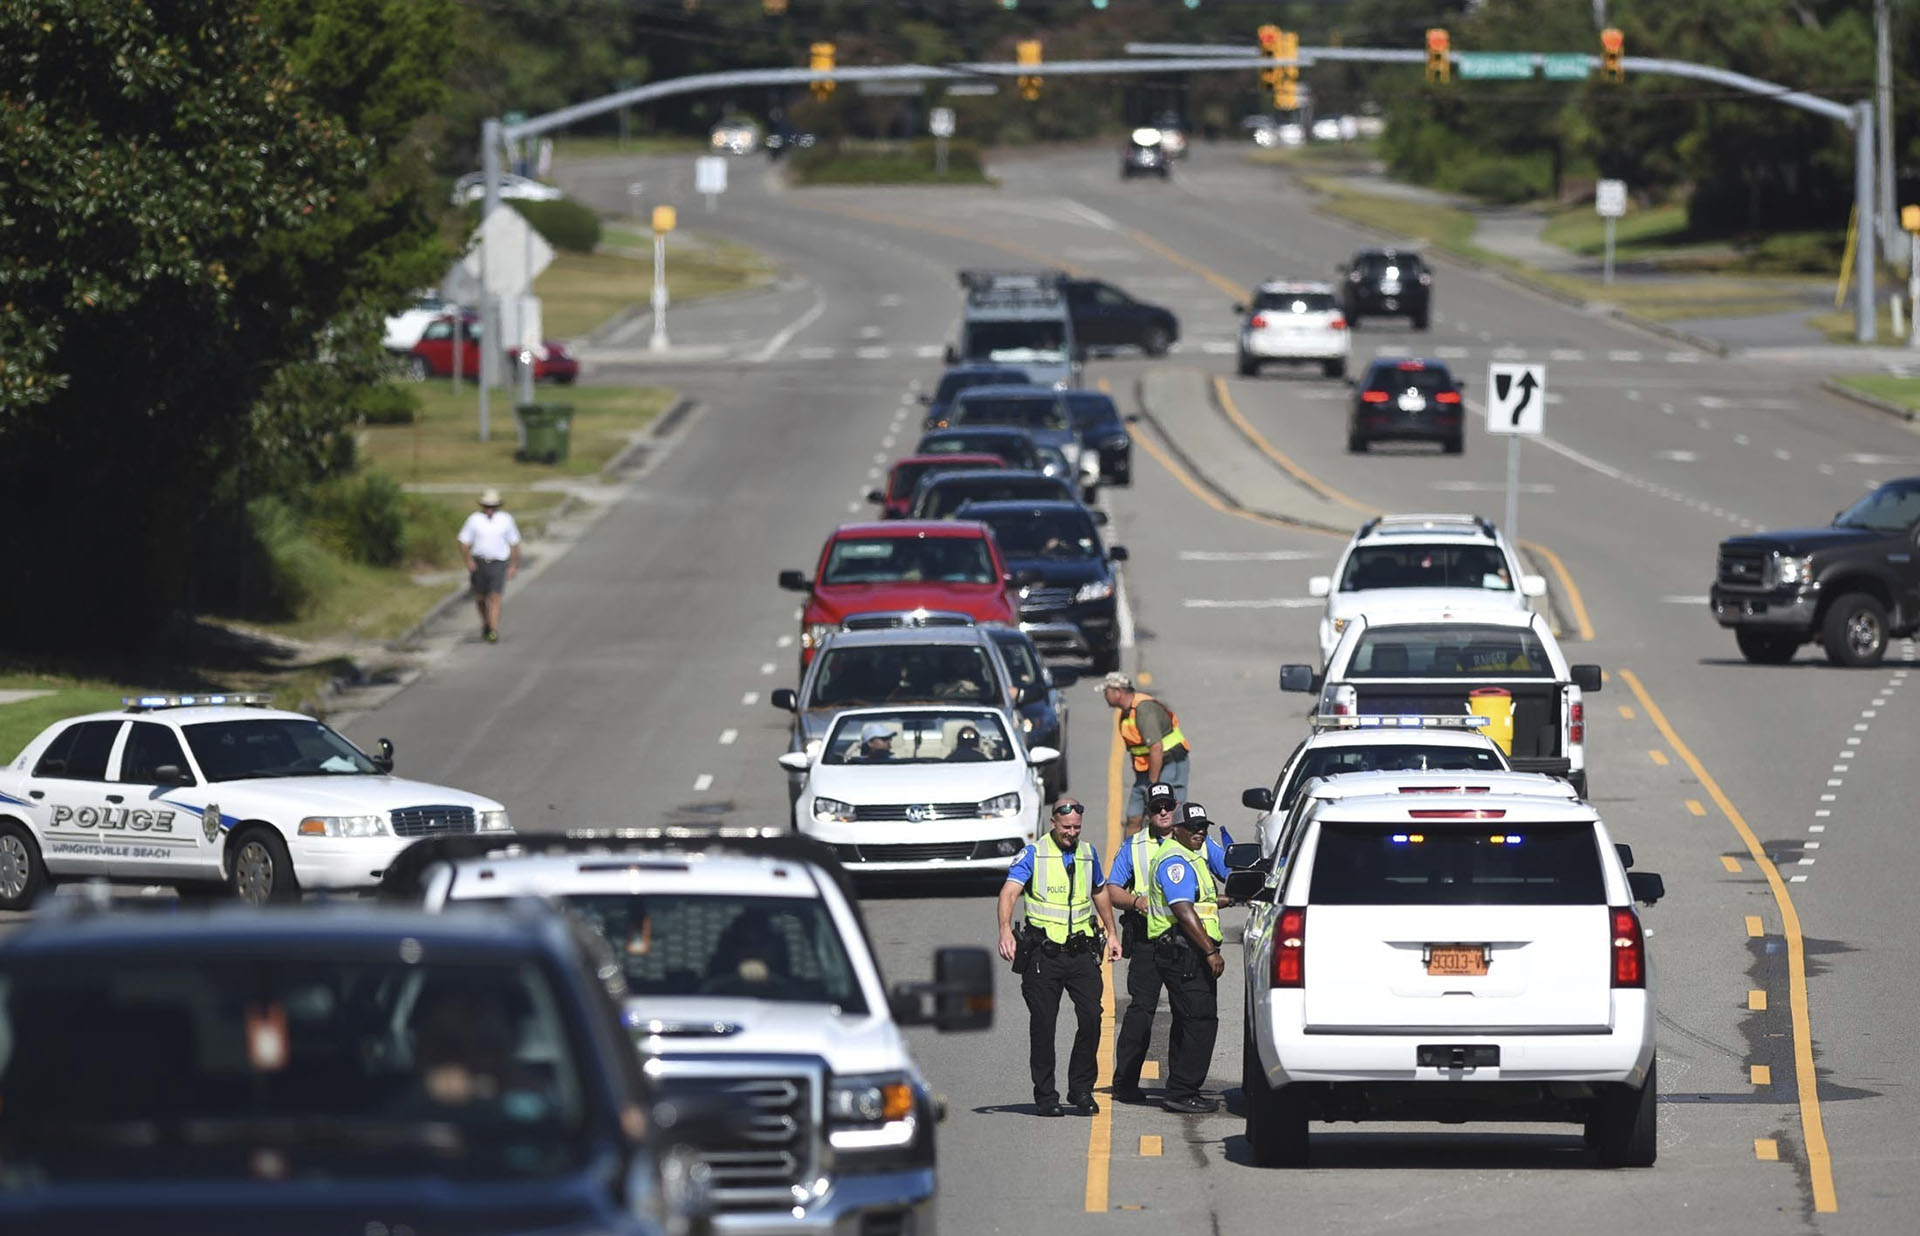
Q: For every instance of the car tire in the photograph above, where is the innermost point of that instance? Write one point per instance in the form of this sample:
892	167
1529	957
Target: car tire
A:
1248	366
1155	341
1766	647
417	369
1356	443
1454	445
1419	321
259	869
1276	1122
1854	632
1625	1124
1333	368
23	876
1353	321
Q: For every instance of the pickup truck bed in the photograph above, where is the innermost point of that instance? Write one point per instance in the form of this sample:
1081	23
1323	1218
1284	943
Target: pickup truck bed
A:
1536	714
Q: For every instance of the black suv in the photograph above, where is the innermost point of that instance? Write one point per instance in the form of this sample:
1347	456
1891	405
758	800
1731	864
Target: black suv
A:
1406	400
1106	317
297	1070
1848	586
1386	283
1101	428
1072	607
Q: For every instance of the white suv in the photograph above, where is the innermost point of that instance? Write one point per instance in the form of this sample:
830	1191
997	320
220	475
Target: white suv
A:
1449	957
1422	566
1296	323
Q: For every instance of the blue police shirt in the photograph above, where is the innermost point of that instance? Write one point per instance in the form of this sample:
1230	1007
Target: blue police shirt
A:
1177	882
1122	870
1022	869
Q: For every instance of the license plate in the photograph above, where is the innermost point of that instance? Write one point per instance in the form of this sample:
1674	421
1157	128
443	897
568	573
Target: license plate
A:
1412	403
1389	287
1448	959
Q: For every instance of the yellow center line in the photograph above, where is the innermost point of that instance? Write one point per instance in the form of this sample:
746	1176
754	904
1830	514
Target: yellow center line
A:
1766	1148
1756	1001
1100	1135
1730	862
1292	469
1575	601
1755	928
1658	757
1181	260
1806	1081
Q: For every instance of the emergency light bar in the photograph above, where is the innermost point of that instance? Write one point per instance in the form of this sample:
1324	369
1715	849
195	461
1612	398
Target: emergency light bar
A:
243	699
1403	721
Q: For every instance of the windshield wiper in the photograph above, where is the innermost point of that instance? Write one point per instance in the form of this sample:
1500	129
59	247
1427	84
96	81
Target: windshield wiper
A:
292	772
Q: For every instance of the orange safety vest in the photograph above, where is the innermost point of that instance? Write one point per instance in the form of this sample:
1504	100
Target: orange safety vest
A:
1137	747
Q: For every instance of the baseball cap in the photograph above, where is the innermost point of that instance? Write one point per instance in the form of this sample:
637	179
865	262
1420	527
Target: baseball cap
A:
1160	791
1116	681
489	497
1193	817
875	729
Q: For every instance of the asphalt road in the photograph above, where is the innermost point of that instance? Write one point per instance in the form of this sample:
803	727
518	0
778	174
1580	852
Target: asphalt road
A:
631	683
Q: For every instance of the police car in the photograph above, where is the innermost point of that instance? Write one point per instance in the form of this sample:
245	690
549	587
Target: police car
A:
214	789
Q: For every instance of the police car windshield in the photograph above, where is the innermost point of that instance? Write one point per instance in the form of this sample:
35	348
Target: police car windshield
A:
918	738
193	1068
273	747
1426	566
782	949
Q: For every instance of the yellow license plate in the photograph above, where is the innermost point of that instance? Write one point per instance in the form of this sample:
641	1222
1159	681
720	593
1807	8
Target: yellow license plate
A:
1469	959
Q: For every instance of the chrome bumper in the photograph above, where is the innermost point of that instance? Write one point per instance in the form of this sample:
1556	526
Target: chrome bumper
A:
846	1208
1057	637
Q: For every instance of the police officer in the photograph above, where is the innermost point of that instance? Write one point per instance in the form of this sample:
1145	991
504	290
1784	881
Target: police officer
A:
1154	741
1127	885
1058	878
1183	922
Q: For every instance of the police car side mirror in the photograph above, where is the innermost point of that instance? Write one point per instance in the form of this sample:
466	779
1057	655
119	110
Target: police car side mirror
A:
1588	677
1043	755
1243	856
1245	885
1260	798
961	991
1296	678
1647	886
172	774
1533	586
384	761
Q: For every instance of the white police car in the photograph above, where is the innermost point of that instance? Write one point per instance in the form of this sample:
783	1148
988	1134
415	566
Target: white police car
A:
213	789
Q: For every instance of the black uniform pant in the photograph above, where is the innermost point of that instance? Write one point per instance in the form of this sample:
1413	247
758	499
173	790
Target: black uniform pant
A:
1193	995
1077	974
1136	1027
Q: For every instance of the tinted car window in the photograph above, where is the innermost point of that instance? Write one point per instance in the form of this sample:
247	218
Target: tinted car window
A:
905	674
918	738
909	559
149	745
1042	533
1426	566
939	498
1498	864
1014	449
1449	651
1376	265
1092	410
955	381
1017	651
79	751
1891	508
1333	761
1044	340
1027	413
1429	380
1293	302
273	747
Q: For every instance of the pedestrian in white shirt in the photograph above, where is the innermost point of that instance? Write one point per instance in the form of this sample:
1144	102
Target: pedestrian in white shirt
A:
490	543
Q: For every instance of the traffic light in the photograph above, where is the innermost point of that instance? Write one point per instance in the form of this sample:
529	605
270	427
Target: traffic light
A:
774	8
822	62
1286	94
1439	63
1027	53
1612	44
1272	38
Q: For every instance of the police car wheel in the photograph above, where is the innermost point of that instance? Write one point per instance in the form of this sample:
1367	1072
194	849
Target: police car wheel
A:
261	871
22	874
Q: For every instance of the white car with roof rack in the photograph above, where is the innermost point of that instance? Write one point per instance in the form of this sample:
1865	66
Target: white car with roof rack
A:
1448	958
1439	565
201	790
1295	322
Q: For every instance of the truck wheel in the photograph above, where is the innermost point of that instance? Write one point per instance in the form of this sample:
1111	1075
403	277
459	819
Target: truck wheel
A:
1766	647
1249	367
1276	1125
1625	1124
1155	342
22	874
1854	632
259	869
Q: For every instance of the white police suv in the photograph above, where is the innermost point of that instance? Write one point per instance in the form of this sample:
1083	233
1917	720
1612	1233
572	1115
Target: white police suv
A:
195	791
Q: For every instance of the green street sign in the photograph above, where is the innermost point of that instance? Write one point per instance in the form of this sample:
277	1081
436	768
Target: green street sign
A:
1491	66
1565	66
514	118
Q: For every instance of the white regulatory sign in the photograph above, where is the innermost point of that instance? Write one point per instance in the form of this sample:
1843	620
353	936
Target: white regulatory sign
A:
940	122
710	174
1516	398
1610	198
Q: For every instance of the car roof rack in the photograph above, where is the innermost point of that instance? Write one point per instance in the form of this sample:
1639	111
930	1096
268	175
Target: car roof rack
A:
229	699
1401	721
1013	289
1435	521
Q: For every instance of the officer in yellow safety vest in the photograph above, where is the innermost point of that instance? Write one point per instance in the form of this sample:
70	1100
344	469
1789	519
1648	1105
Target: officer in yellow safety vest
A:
1154	742
1183	922
1059	882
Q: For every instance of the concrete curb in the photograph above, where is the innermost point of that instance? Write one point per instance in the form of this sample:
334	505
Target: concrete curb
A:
1833	387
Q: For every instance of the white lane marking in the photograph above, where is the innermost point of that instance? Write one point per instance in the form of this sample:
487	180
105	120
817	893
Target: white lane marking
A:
1683	358
1556	397
1827	798
1486	336
873	474
817	353
1445	351
869	332
1741	439
1255	603
1487	487
1861	727
766	667
1813	845
880	458
727	737
853	508
1684	600
1796	879
1840	768
1835	782
890	301
1624	356
1090	215
1633	396
1821	814
750	699
1869	713
785	641
1711	401
781	340
1806	862
1783	456
1123	612
702	782
1826	469
1566	354
928	351
873	353
1667	408
1248	555
1703	422
886	441
1219	347
1507	351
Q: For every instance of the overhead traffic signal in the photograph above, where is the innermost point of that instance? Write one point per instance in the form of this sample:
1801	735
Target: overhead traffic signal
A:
821	62
774	8
1439	62
1027	53
1280	46
1612	45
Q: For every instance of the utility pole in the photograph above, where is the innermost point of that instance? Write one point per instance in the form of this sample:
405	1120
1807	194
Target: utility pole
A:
1890	249
489	309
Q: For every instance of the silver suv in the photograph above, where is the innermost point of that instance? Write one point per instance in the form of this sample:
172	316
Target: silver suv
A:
1021	319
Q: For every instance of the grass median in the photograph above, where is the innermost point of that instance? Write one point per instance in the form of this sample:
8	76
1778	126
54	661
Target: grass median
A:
581	291
1901	392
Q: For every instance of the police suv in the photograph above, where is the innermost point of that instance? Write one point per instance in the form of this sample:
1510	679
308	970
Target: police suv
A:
213	789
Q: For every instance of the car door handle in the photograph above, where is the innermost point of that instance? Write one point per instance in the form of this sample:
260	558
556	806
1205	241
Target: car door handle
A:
36	794
115	798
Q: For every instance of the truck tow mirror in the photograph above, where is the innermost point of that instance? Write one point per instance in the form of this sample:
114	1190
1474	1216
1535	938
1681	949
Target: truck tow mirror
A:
1588	677
1647	886
961	992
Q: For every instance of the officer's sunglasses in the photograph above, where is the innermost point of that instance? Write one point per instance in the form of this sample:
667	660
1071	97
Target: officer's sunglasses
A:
1069	809
1169	809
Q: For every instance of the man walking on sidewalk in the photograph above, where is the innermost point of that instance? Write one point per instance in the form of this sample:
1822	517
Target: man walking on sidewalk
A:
490	543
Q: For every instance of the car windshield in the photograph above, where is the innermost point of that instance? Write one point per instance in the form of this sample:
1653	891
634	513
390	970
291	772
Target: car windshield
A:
1024	411
1405	864
1042	533
1042	340
207	1067
1450	651
1891	508
1426	566
273	747
1293	302
910	673
1023	666
940	498
1380	757
956	380
909	559
1014	450
918	738
1429	380
1092	410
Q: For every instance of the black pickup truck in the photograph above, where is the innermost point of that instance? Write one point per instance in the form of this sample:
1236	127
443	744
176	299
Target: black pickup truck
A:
1849	586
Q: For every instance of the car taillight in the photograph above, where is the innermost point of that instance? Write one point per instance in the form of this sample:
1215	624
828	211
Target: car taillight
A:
1290	948
1629	948
1338	323
1373	396
1577	723
1345	702
1447	397
1259	321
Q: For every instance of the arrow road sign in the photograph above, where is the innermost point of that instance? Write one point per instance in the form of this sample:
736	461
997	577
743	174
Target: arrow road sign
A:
1516	398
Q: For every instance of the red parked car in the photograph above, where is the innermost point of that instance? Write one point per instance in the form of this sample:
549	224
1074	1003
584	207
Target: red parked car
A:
947	566
898	495
432	357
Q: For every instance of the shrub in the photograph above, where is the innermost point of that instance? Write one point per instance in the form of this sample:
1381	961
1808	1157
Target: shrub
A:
1497	178
388	403
288	570
431	528
363	519
563	224
888	163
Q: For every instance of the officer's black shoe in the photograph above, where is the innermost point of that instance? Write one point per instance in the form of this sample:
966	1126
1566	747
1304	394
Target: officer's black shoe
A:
1050	1107
1129	1094
1193	1105
1083	1104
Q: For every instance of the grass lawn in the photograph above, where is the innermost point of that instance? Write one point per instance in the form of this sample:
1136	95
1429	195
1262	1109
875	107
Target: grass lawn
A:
1445	226
1902	391
20	722
443	446
580	291
1838	325
1641	233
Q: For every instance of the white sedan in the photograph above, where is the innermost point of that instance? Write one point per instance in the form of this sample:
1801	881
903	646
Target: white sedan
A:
922	789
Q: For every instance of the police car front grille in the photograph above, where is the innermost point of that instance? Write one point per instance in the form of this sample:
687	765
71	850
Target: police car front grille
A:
432	821
765	1149
918	813
1745	569
947	851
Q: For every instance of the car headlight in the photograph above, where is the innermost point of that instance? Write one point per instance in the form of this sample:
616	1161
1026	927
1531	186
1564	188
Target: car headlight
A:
343	826
1796	570
870	1101
833	809
815	634
492	822
1001	807
1098	590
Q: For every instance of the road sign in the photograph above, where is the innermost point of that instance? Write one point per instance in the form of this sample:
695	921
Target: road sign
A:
973	89
664	218
1488	66
515	254
1565	66
940	122
1516	398
710	174
1610	198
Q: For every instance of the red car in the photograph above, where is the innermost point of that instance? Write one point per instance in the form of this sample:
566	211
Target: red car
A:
947	566
898	495
432	357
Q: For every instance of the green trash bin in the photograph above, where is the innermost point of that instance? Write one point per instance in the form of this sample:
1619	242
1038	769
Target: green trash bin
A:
546	432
